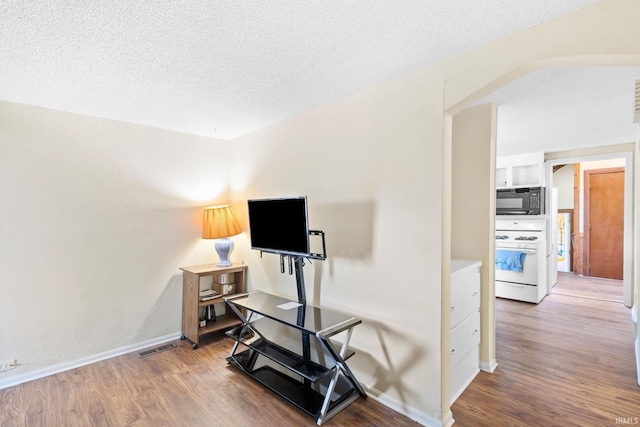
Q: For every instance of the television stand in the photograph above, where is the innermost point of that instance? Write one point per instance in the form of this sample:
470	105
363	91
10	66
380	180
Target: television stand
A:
311	374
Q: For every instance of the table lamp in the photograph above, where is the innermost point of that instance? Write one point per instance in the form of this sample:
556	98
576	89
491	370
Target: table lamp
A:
219	223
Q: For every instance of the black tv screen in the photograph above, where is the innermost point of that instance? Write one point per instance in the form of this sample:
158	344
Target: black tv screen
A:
279	225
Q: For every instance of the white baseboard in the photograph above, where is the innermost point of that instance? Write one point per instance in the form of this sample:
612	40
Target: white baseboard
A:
636	336
489	366
637	342
448	420
402	408
55	369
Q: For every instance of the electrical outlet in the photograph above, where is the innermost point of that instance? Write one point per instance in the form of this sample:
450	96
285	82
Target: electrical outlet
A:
11	364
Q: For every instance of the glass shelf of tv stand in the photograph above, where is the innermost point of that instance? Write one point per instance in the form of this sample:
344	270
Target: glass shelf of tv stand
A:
316	321
282	344
325	384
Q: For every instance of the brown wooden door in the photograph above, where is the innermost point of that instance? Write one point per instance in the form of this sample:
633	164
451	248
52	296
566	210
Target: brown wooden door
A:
604	215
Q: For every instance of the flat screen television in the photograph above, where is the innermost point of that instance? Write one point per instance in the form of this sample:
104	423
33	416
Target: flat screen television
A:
279	225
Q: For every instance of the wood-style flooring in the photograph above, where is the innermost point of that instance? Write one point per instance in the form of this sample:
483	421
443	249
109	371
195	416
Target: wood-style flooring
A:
172	388
568	361
589	287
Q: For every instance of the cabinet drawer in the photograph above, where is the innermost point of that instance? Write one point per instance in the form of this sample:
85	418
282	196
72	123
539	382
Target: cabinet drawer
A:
464	338
465	299
464	372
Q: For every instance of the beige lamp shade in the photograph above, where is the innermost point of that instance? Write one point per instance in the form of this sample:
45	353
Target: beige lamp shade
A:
219	222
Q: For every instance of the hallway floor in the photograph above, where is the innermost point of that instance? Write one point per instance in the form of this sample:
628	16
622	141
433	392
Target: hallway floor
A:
568	361
601	288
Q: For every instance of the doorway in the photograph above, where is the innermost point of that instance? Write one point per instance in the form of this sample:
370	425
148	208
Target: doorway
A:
488	343
600	196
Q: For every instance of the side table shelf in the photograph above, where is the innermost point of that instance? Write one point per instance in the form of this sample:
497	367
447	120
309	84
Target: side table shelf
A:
289	350
234	277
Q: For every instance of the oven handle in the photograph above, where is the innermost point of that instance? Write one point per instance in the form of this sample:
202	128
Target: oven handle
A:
526	251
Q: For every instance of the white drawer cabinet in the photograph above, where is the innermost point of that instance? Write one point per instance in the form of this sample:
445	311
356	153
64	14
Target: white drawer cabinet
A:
464	338
465	297
464	373
465	324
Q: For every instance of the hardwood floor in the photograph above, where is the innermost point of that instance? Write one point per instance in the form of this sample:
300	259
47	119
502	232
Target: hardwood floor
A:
177	387
568	361
589	287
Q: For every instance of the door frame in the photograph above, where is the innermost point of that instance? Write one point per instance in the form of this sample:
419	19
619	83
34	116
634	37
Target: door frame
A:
570	232
627	266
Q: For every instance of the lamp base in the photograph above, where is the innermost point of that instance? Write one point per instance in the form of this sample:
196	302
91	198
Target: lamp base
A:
224	247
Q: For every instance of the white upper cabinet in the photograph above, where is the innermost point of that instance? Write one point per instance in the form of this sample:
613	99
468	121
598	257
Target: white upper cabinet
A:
522	170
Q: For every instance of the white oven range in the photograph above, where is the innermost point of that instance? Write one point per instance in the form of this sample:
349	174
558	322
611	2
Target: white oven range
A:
521	270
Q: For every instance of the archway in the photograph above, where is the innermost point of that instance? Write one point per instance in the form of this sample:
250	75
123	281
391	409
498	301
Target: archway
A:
488	350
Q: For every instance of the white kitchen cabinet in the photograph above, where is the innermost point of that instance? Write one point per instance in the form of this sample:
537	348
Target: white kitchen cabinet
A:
465	325
522	170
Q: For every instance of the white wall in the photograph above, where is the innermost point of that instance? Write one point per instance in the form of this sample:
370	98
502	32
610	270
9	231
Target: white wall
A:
372	181
563	181
96	218
99	215
473	208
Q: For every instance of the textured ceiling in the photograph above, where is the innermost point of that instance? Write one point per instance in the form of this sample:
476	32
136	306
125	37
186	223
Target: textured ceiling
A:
223	68
566	108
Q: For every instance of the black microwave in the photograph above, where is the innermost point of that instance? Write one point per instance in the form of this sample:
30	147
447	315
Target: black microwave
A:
520	201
